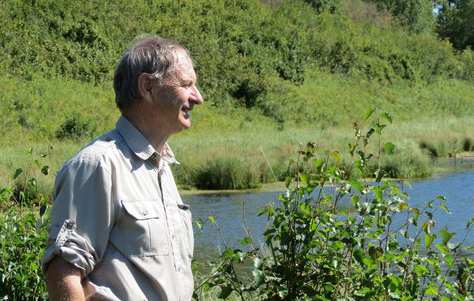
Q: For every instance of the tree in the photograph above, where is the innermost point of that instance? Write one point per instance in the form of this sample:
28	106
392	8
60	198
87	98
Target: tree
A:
415	15
331	6
456	22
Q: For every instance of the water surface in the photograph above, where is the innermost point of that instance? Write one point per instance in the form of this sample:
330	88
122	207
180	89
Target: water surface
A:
232	211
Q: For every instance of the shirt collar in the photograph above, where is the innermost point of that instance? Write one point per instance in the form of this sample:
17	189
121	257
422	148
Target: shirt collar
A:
140	145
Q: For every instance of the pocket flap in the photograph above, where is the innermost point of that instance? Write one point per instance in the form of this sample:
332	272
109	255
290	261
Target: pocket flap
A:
142	209
183	206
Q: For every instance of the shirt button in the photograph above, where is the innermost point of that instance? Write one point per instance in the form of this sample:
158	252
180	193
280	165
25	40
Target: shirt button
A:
145	212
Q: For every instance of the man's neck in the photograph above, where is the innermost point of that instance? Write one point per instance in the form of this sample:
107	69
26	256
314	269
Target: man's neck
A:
151	132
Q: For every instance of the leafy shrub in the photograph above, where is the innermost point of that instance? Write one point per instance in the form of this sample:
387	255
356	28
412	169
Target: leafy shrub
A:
23	238
23	232
315	249
75	128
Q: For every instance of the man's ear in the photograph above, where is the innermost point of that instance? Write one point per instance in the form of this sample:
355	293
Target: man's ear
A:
145	87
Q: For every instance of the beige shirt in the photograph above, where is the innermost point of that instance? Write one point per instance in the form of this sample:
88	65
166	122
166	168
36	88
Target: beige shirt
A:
117	216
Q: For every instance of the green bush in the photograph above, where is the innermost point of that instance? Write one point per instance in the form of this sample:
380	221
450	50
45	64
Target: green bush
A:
75	128
23	238
317	248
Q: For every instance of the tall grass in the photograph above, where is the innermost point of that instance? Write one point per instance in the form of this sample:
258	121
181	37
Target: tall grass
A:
237	148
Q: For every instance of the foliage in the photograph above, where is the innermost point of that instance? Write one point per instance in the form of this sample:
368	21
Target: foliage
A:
455	22
317	250
416	15
23	233
75	128
239	46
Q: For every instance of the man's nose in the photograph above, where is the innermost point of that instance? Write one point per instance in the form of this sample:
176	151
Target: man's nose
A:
196	96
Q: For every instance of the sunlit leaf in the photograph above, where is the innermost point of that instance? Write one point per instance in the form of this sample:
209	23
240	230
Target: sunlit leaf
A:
351	148
258	277
336	156
211	218
304	179
379	128
445	235
356	185
368	112
432	291
469	223
378	193
444	208
387	117
246	241
389	148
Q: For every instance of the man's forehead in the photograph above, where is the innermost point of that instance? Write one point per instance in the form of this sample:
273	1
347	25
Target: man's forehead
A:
183	60
184	65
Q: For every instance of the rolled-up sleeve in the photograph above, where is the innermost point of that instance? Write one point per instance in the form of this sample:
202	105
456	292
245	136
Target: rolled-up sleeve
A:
82	214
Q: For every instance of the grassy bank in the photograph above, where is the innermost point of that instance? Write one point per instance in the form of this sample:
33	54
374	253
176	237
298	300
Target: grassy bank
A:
238	148
232	148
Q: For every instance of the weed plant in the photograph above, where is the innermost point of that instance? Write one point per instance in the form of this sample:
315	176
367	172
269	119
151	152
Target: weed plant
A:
316	250
24	218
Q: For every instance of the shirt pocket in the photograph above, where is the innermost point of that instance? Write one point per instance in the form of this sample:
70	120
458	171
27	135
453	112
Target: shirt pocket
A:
143	229
186	218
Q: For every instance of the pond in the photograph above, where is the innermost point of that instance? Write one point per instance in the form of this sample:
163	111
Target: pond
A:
234	210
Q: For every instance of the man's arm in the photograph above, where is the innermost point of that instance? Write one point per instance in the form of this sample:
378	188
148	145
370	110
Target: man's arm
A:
64	280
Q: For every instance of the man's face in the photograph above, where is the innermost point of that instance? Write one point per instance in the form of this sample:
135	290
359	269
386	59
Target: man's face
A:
176	98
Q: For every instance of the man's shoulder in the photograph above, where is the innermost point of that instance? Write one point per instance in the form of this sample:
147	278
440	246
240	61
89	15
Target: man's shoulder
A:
106	146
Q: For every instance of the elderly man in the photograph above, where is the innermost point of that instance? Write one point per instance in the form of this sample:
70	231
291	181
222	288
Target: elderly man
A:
119	230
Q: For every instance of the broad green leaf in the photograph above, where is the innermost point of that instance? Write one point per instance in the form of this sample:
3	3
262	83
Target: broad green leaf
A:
378	193
257	263
395	280
317	163
432	291
444	208
469	223
43	209
211	218
368	112
429	239
336	156
18	172
445	235
225	291
387	117
246	241
449	260
389	148
351	148
45	170
304	179
453	246
258	277
356	185
36	162
369	133
379	128
442	249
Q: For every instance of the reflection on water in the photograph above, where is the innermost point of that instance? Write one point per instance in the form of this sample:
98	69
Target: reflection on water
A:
228	208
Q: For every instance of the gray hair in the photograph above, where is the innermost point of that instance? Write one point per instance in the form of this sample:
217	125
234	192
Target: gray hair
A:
155	56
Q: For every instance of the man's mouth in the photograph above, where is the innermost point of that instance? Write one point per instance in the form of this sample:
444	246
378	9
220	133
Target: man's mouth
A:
187	112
